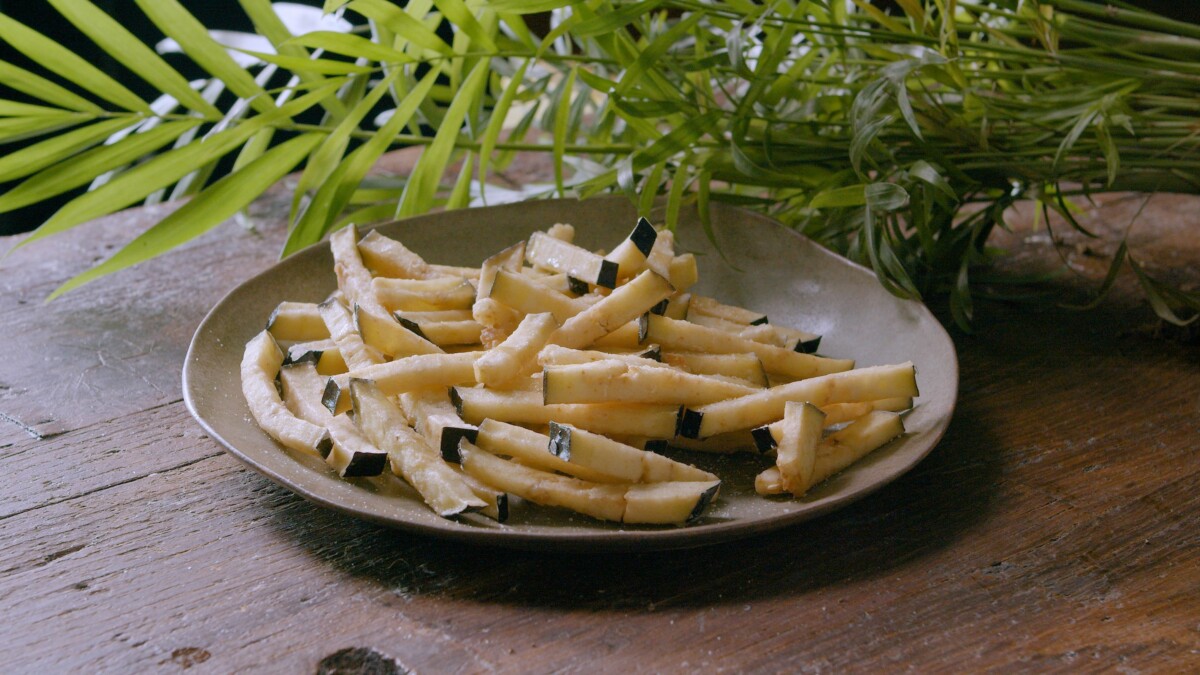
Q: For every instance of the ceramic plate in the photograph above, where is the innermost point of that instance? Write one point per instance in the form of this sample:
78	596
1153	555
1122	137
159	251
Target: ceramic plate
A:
765	267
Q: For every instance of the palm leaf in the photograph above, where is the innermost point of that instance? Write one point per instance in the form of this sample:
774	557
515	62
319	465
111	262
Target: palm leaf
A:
44	90
269	25
177	23
457	13
161	171
336	191
58	59
34	158
491	133
214	206
426	175
326	157
68	175
310	66
351	45
527	6
116	40
13	129
400	23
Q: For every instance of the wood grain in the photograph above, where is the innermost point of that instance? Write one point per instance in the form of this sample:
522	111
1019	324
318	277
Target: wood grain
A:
116	346
1056	527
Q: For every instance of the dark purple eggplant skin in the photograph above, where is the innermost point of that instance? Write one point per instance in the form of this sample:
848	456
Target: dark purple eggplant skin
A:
325	445
808	346
689	423
658	445
577	286
763	439
411	325
450	439
330	396
702	503
502	507
560	441
643	236
365	464
607	276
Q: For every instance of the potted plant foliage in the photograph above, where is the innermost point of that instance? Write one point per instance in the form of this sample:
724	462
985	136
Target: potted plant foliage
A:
898	139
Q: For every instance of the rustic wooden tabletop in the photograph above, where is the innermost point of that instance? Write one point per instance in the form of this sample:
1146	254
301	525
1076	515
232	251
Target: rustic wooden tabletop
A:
1055	528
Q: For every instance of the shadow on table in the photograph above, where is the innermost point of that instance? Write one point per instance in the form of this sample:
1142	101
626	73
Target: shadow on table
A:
919	514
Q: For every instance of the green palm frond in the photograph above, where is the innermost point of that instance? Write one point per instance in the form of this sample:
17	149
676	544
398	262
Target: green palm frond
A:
896	139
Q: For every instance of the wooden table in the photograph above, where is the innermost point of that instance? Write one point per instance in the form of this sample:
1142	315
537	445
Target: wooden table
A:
1056	527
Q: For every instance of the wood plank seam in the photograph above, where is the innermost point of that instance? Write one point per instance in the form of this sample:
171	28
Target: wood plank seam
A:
126	481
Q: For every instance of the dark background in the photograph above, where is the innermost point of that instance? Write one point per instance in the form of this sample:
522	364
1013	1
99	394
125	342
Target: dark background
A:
218	14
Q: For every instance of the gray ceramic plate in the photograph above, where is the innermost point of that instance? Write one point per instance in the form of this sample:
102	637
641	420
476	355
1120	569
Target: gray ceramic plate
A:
769	268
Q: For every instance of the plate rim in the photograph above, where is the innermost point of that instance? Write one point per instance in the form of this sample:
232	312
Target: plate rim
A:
669	538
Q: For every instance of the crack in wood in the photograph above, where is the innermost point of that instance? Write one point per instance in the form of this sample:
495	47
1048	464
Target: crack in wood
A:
101	488
33	433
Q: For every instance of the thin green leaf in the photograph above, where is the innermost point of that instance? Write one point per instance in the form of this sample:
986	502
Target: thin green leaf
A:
457	13
925	172
375	213
317	213
962	308
704	211
460	196
1109	279
327	156
680	138
562	109
595	81
165	169
864	136
1155	295
351	45
210	208
129	51
1068	142
68	175
885	196
650	108
427	174
1112	156
338	188
526	6
518	133
650	189
267	23
400	23
840	198
298	64
679	184
177	23
18	109
34	158
648	59
44	90
20	128
623	16
254	148
491	133
58	59
358	165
